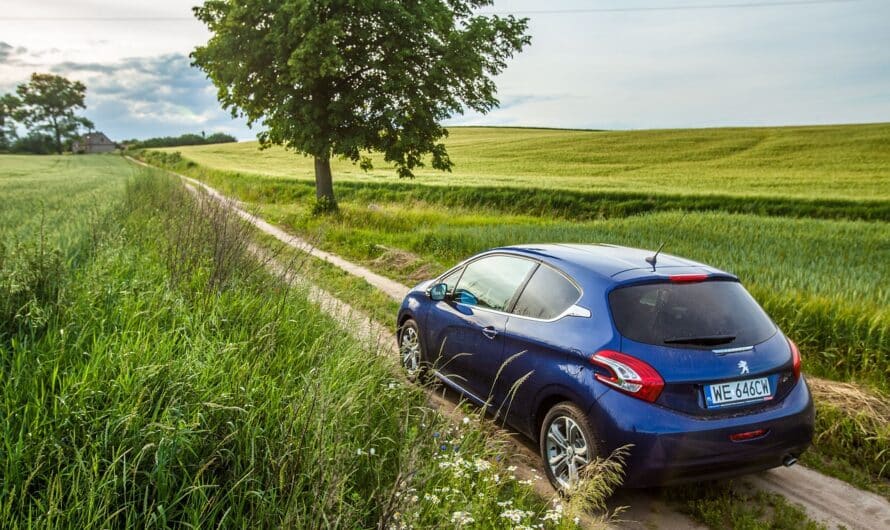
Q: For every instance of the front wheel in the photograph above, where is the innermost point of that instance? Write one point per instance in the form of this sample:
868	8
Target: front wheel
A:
411	350
567	445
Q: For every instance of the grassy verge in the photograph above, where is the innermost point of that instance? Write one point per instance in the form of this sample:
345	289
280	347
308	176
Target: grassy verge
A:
170	382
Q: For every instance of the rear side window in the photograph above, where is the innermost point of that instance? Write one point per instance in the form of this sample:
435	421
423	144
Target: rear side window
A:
491	282
710	314
546	295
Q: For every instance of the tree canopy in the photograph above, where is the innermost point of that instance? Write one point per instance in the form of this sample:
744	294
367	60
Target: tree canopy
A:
48	103
347	77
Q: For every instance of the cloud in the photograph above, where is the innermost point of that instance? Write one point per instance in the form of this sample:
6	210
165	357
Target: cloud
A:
150	96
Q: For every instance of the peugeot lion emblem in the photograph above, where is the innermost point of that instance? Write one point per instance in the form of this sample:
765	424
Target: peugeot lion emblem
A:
743	366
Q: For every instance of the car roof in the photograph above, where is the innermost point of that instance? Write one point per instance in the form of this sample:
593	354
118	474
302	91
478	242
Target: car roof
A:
612	263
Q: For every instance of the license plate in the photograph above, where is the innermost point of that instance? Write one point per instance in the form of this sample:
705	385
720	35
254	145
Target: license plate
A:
735	392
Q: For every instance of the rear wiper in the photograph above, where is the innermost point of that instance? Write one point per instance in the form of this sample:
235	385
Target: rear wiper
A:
704	340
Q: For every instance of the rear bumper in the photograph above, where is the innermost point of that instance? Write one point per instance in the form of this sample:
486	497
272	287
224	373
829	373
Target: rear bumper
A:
670	447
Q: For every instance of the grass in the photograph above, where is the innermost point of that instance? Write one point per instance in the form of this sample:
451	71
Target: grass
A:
159	391
819	279
745	200
850	161
736	505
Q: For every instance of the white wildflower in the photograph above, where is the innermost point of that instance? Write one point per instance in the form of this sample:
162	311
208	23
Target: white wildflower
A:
462	518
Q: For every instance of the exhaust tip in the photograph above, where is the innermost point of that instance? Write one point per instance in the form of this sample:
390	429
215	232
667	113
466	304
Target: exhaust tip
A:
789	461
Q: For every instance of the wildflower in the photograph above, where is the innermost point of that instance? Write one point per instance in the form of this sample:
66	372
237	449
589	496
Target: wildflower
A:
511	469
443	447
430	497
371	452
515	516
462	518
577	521
466	420
436	434
360	451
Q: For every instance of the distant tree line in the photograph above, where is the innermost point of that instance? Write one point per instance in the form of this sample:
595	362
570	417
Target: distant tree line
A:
47	108
185	139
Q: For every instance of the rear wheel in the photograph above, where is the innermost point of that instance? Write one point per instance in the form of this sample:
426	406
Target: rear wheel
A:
411	350
567	445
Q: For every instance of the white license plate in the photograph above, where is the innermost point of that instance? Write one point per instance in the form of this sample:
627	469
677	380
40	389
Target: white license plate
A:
721	394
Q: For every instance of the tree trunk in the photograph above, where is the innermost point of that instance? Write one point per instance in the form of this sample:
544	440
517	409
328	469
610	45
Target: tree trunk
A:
58	139
324	185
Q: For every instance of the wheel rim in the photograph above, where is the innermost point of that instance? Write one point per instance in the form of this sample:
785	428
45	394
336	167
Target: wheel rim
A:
410	350
567	450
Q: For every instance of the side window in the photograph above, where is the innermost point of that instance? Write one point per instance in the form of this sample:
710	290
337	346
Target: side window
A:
546	295
491	282
451	279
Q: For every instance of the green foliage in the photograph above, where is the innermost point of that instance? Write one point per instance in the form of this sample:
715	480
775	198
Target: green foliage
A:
185	139
48	103
342	78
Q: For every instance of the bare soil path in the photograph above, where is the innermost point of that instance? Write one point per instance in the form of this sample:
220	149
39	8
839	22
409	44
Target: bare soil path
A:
832	502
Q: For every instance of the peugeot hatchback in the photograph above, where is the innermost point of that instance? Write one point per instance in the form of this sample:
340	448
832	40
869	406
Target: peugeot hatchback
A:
587	348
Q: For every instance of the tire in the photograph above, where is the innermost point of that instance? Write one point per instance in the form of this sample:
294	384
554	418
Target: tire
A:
566	432
411	354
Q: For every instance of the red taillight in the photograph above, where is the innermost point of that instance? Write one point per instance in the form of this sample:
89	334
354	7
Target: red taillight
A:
629	375
750	435
795	359
687	278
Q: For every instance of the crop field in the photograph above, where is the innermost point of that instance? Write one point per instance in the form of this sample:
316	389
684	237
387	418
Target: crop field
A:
829	171
823	280
820	272
154	375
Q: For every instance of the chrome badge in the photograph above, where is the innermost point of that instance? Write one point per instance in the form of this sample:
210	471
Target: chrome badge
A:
743	366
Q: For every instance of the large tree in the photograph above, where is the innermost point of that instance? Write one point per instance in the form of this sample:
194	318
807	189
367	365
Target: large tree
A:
48	103
347	77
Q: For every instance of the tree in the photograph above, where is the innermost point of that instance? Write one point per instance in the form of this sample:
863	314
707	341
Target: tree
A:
8	105
346	77
48	104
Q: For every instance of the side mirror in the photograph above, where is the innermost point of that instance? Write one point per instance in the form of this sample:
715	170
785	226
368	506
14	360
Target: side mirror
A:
438	292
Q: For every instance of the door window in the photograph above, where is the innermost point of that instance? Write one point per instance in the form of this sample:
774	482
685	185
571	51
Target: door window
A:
491	282
546	295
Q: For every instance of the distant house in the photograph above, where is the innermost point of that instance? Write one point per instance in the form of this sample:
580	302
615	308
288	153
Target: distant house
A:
94	142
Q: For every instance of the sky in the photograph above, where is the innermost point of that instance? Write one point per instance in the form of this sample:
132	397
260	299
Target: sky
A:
616	64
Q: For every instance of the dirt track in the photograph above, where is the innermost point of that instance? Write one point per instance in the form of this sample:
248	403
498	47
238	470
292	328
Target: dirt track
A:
825	499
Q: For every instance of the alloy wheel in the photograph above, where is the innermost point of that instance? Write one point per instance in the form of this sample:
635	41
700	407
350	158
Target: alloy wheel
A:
567	450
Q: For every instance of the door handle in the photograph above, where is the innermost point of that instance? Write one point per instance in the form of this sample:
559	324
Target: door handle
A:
490	332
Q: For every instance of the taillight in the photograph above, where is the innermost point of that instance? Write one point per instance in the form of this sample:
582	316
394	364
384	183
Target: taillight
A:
795	359
629	375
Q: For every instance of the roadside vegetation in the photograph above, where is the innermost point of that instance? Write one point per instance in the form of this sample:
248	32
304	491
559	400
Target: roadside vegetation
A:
819	275
156	375
184	139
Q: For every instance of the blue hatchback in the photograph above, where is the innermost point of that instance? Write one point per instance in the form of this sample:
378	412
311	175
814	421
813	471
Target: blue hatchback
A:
587	348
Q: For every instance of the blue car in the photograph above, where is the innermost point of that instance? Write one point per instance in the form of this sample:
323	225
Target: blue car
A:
588	348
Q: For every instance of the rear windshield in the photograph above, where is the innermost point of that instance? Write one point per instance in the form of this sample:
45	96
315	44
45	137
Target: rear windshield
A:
711	314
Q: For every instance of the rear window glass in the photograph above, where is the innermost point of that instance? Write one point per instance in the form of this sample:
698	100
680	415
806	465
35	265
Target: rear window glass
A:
711	314
546	295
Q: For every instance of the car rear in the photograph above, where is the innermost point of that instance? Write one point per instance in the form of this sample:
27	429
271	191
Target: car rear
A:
705	385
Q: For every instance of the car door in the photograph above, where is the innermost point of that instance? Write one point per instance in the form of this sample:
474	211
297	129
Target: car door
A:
470	324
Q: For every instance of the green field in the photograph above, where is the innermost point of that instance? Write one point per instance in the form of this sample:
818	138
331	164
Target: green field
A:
805	170
823	280
162	379
819	268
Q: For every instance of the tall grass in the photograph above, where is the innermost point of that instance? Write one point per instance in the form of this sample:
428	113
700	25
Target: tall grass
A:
210	394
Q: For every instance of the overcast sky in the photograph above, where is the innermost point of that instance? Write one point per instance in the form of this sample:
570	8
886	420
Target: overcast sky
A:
612	65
